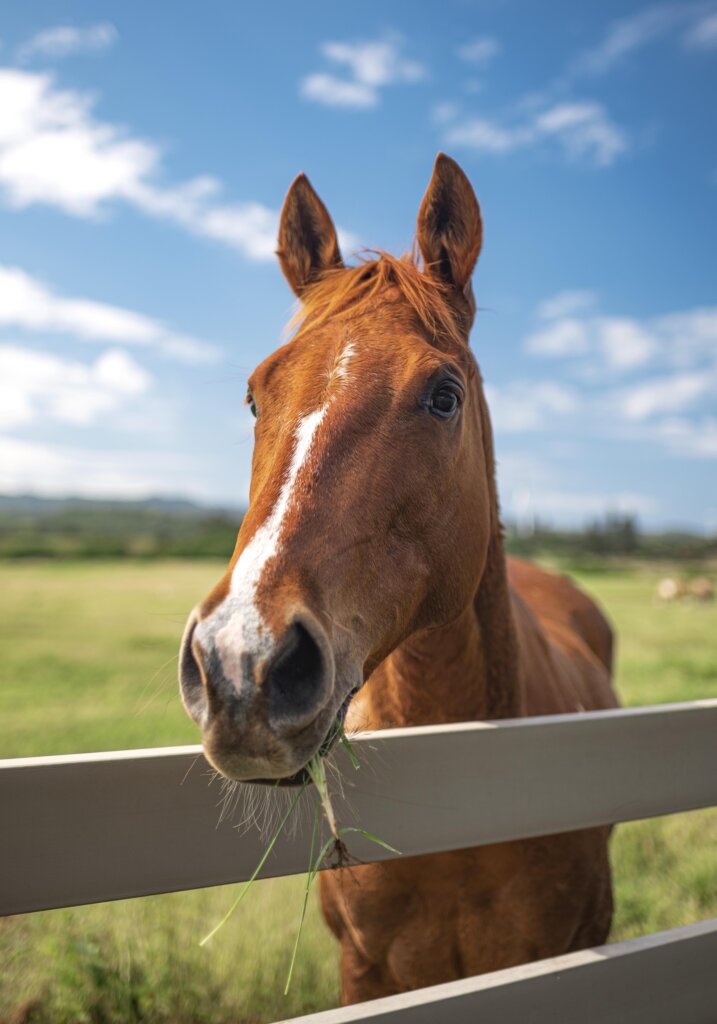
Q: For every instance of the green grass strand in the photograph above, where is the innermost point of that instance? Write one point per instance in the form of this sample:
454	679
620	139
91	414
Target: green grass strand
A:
256	871
311	874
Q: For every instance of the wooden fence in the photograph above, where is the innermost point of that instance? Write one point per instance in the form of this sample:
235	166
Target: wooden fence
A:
91	827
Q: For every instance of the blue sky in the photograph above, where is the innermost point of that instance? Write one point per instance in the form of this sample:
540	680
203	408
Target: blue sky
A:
145	150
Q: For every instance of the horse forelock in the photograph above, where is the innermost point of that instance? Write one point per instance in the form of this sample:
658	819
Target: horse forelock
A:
344	293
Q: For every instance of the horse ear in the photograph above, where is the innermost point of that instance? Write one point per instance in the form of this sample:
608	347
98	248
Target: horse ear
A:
308	244
450	229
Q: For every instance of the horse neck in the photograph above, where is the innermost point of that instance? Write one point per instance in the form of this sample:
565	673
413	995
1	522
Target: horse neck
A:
468	668
462	671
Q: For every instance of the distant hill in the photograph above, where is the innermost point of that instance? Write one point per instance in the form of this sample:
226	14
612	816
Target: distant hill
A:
84	528
32	527
32	504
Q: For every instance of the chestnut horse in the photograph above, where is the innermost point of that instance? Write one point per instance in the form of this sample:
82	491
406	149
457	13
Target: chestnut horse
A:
371	559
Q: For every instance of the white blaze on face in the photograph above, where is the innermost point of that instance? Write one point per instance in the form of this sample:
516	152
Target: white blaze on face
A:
241	626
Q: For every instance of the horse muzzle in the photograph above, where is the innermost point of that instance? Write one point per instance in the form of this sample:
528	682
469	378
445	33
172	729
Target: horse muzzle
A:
265	704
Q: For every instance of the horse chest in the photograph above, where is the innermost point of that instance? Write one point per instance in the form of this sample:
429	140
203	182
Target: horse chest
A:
430	919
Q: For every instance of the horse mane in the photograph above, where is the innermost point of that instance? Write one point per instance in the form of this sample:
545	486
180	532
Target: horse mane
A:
345	292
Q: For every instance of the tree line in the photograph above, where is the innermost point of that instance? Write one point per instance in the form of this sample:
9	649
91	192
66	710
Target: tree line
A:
33	527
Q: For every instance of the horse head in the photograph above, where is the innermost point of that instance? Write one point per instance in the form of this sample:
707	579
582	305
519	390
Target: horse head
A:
372	497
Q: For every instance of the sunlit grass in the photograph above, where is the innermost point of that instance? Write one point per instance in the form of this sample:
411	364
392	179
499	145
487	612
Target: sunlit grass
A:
90	654
140	960
666	652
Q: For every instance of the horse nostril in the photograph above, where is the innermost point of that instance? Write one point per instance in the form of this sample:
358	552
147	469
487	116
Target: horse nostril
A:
190	671
298	679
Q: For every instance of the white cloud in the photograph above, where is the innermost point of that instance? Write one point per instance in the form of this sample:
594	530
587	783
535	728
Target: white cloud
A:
668	394
528	405
65	40
335	92
583	130
642	412
29	304
629	35
54	151
681	347
482	134
565	303
690	335
39	468
565	337
694	439
682	339
369	66
696	22
374	63
40	386
250	227
702	35
480	50
624	343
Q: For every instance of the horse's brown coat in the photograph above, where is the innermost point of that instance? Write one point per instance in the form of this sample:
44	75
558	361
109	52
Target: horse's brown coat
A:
392	551
425	920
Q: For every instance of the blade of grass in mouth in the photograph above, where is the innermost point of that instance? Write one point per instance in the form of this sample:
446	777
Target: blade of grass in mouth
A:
316	770
348	747
257	869
317	773
310	876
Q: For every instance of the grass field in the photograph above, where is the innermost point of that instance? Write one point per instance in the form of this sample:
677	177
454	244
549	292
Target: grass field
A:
89	663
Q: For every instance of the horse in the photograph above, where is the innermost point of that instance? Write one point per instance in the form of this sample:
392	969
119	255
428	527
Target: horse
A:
369	584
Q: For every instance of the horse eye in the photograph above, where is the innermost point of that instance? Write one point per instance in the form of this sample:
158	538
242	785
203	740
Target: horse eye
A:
251	403
445	400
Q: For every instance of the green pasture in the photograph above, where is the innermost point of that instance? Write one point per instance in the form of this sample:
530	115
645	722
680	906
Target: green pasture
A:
89	663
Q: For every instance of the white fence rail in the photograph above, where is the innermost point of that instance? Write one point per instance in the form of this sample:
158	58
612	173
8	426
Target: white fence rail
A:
665	978
92	827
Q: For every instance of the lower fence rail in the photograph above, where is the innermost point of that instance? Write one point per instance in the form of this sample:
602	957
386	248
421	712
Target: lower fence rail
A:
665	978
